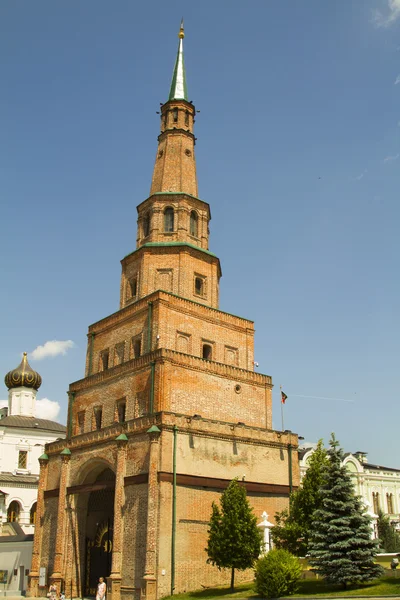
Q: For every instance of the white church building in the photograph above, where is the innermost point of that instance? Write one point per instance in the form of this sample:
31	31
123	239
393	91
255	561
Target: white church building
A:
22	440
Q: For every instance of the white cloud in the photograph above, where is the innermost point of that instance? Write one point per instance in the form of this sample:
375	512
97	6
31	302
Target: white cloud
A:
384	20
51	348
397	80
391	158
47	409
359	177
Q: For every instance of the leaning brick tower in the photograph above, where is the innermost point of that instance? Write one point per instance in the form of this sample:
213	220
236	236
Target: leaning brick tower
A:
169	411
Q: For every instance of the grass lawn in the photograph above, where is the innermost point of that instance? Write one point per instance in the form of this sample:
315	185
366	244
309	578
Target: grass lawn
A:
386	586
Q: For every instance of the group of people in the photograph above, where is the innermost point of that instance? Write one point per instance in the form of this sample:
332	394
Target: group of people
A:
101	591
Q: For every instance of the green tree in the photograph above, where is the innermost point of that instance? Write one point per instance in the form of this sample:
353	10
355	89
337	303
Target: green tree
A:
389	539
277	574
341	548
291	531
234	539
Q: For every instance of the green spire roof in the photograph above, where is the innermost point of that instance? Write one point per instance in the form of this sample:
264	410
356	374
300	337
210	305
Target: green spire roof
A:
178	89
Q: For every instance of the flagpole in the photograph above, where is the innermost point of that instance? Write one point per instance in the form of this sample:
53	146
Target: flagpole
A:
283	427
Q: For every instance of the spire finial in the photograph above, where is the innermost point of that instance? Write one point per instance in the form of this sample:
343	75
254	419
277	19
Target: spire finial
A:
181	33
178	89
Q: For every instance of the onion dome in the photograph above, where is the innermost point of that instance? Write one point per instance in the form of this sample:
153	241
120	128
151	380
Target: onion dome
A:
23	376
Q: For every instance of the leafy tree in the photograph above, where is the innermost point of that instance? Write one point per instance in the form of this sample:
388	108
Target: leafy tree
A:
341	548
234	540
388	536
291	531
277	574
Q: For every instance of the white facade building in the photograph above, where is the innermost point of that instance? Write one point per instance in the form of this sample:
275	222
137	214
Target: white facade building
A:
22	441
378	486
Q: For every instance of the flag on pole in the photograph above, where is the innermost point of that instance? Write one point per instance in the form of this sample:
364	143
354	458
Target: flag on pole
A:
283	397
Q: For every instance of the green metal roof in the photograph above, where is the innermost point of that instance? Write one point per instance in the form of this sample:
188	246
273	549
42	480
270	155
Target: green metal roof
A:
121	438
65	452
178	90
167	244
154	429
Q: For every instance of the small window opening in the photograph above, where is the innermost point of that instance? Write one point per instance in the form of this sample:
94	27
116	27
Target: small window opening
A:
193	223
105	355
375	499
121	410
22	459
13	512
207	351
175	115
119	353
389	498
146	225
81	422
187	118
133	287
199	286
137	348
169	219
98	415
32	514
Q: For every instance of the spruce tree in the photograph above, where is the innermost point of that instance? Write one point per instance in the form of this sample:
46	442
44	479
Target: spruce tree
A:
291	531
341	548
234	540
389	538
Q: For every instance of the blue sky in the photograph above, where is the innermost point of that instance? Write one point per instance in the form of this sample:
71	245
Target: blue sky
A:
297	154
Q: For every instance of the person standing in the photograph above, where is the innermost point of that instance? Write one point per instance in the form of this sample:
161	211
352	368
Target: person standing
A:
52	592
101	589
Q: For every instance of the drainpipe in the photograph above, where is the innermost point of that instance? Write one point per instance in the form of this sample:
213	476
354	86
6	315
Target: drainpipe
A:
91	353
173	536
152	371
290	468
149	326
71	398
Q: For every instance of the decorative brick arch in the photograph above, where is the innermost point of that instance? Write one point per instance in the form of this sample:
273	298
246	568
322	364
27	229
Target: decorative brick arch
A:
91	469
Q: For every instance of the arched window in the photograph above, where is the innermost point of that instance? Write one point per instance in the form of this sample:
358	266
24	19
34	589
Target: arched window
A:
146	225
13	512
32	515
175	115
169	219
375	501
194	223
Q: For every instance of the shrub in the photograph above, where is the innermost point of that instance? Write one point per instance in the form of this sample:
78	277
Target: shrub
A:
277	574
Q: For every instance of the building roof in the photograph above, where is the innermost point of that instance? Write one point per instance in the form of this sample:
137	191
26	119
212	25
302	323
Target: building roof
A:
13	532
23	376
379	467
32	423
12	479
178	89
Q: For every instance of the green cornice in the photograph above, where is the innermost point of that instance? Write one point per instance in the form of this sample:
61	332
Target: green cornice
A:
171	244
176	194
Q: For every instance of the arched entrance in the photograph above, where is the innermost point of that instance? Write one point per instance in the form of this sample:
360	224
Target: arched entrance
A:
99	531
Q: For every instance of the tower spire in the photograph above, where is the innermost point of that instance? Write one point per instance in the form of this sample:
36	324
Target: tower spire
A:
178	90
